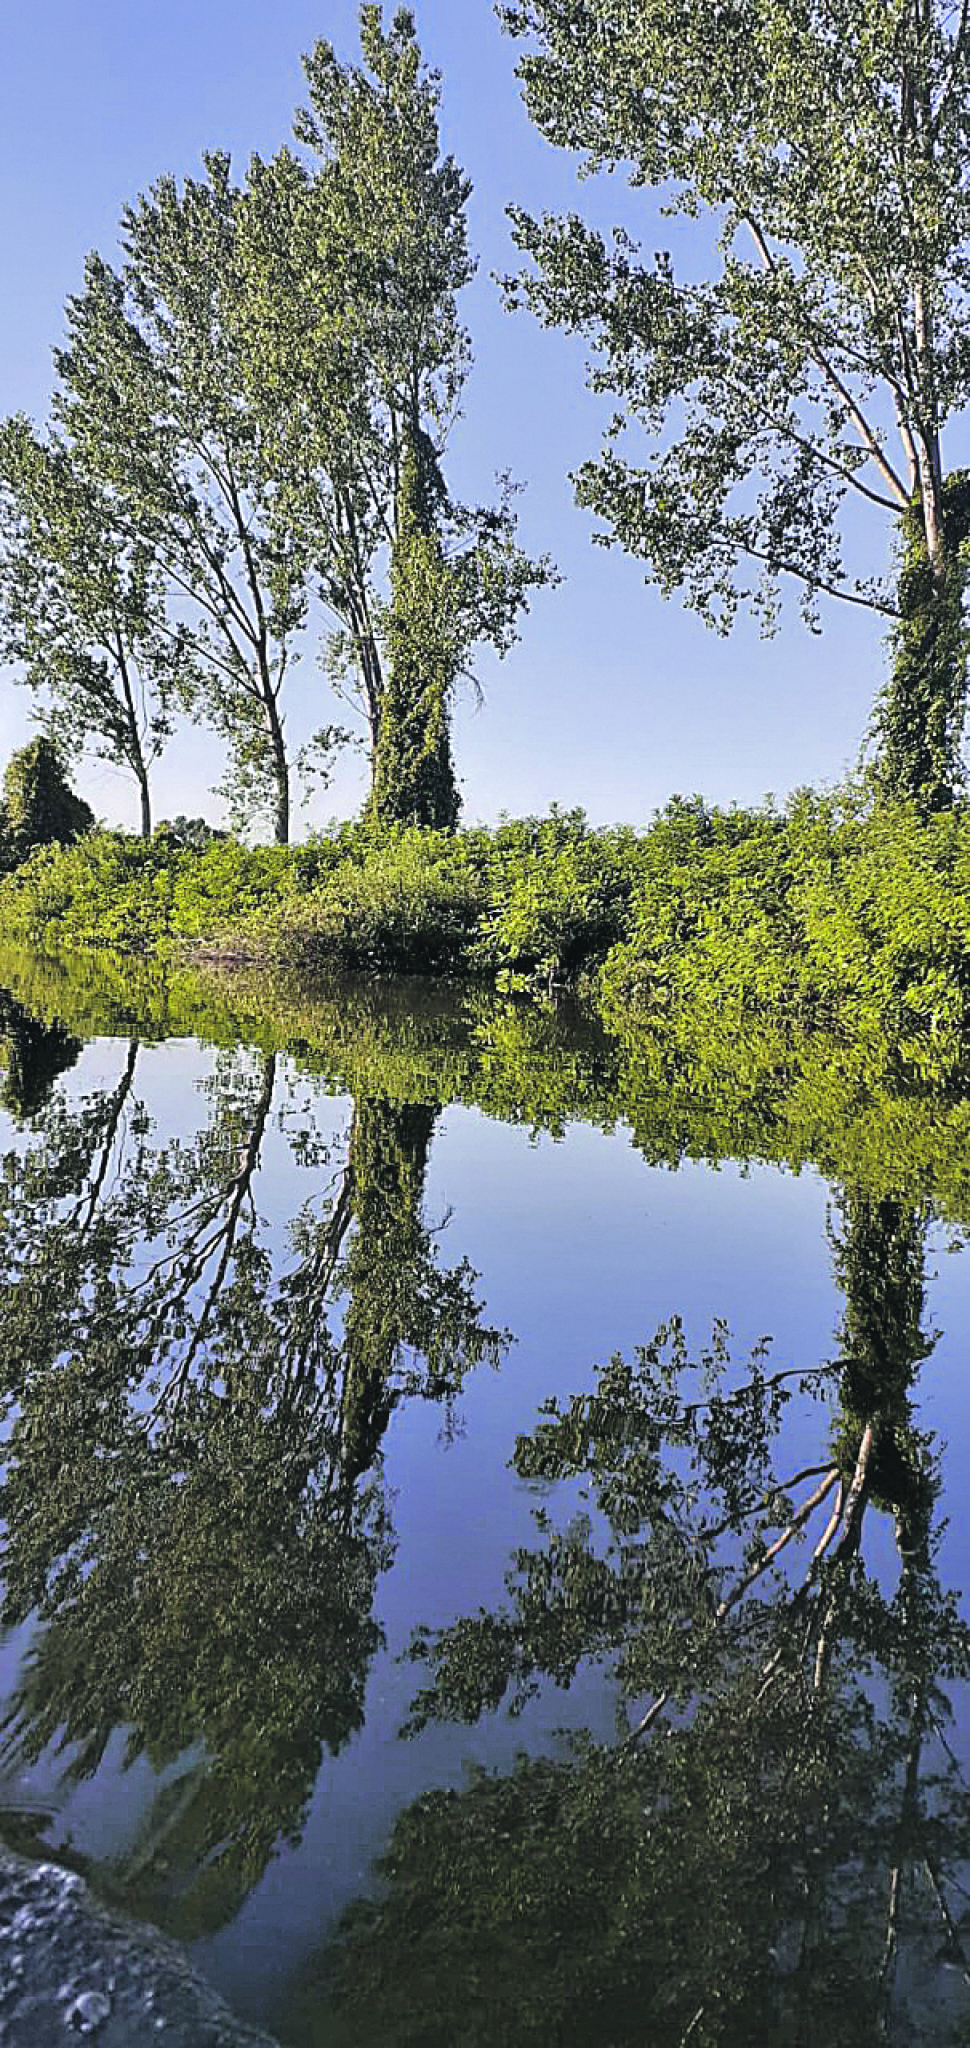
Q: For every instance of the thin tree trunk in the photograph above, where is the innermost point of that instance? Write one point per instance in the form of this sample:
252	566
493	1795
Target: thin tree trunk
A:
136	757
281	769
146	805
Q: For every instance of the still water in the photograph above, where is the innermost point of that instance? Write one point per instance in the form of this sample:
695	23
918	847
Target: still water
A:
485	1513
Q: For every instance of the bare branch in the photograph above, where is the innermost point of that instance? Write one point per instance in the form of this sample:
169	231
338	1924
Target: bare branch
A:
959	52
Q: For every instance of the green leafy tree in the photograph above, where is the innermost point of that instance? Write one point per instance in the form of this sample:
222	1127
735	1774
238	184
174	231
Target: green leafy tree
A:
39	807
81	609
355	260
154	396
826	146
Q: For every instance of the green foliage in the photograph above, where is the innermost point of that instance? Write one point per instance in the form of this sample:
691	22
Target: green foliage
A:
406	901
920	715
154	397
354	259
559	898
414	776
82	607
825	149
826	917
39	807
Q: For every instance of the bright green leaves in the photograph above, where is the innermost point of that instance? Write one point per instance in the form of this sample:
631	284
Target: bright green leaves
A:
156	390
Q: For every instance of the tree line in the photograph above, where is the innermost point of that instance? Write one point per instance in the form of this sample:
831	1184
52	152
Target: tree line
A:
251	409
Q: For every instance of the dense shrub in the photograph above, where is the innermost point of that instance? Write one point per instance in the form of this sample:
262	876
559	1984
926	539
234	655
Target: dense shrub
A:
407	901
829	914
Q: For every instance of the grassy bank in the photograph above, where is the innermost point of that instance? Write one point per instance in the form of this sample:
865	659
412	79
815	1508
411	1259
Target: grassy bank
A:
824	914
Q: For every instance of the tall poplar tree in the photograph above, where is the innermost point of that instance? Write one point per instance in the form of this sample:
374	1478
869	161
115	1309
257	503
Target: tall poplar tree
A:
356	256
825	144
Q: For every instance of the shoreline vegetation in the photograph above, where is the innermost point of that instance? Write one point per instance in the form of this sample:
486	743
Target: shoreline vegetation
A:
829	914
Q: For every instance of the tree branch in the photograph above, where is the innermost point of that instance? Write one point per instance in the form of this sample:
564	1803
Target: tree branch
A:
823	362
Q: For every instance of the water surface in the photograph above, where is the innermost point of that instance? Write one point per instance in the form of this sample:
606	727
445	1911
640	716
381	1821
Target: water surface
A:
484	1520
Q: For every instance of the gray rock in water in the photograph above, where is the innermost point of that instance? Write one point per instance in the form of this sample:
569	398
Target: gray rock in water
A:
70	1970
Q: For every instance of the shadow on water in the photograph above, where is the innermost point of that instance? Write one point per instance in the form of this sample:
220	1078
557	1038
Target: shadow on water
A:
775	1846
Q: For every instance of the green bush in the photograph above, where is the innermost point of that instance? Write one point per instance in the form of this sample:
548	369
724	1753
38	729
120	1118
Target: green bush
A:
827	915
407	901
559	896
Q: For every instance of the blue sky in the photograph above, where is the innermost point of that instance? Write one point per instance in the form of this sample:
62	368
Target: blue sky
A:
613	698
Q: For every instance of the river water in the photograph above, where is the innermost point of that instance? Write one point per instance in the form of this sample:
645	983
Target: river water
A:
485	1516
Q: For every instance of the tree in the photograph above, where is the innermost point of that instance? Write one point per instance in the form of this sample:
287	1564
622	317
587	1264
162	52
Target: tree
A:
154	397
81	608
359	360
826	145
39	806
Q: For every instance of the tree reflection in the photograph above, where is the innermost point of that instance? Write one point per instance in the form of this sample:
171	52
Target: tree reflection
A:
193	1498
774	1848
32	1056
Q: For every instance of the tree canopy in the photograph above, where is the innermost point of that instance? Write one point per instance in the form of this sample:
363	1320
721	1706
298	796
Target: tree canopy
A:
825	146
82	609
251	411
357	253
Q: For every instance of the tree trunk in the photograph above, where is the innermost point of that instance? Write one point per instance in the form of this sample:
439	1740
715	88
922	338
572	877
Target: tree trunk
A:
281	769
146	803
414	776
920	719
281	822
131	746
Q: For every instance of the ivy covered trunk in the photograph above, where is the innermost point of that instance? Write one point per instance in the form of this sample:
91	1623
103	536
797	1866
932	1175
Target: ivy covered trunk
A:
921	717
414	775
389	1160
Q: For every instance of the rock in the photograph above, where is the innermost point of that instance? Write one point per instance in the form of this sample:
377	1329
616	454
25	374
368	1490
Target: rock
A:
71	1969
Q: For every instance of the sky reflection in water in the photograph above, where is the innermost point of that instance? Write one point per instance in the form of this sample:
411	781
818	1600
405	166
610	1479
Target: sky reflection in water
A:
276	1316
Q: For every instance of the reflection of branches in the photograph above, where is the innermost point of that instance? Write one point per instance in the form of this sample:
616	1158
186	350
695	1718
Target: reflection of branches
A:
770	1782
193	1260
113	1110
211	1580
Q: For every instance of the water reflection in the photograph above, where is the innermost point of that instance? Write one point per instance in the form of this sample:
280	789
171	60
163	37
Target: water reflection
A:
773	1847
776	1846
32	1056
193	1497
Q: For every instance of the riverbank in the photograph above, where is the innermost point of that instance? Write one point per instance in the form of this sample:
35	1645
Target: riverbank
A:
825	914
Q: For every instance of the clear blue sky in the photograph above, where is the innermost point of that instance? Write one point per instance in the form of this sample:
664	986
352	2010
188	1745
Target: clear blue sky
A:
613	699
